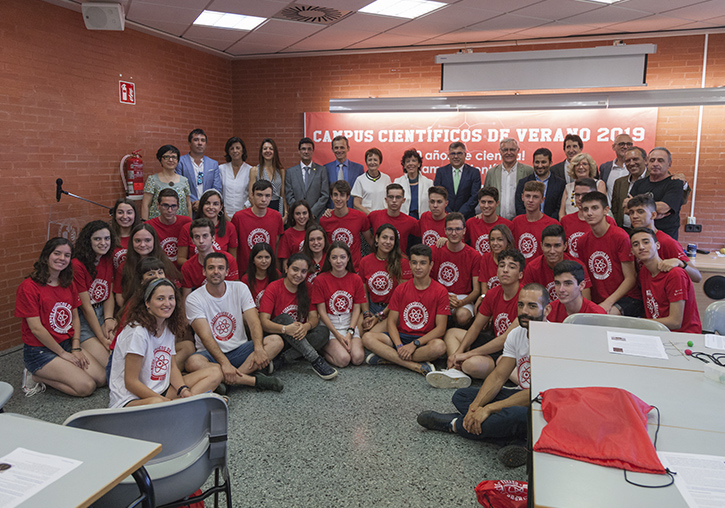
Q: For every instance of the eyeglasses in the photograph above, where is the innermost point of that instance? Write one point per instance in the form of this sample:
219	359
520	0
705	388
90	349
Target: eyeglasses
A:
623	144
459	154
170	157
454	230
167	206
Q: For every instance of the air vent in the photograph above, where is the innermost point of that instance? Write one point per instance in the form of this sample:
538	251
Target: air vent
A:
312	14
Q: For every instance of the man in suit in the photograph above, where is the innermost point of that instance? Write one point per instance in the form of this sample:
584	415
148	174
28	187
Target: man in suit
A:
611	170
307	180
635	159
460	180
342	168
505	177
201	171
573	145
555	186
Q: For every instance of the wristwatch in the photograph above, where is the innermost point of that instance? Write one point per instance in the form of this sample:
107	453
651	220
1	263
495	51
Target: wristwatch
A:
416	342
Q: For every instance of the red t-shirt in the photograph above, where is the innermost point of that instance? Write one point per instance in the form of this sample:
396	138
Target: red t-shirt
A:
666	288
527	235
169	234
574	227
604	257
221	243
418	309
259	287
98	288
252	230
455	270
338	294
347	229
315	269
193	272
290	243
277	300
119	254
558	311
501	311
377	280
538	271
52	304
403	223
477	231
488	271
430	229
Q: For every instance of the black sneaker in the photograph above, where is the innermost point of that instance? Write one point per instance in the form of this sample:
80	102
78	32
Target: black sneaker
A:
437	421
267	383
323	369
513	455
221	389
275	364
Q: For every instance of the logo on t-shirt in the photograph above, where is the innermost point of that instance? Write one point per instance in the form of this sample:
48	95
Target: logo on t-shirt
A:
552	291
340	302
493	282
448	273
524	368
501	323
119	258
170	247
258	235
573	242
380	283
259	298
652	306
342	235
482	245
61	317
415	316
98	291
160	364
430	237
291	310
527	244
600	265
223	326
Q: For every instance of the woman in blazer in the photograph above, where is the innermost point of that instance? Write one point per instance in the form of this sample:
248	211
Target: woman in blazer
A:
415	185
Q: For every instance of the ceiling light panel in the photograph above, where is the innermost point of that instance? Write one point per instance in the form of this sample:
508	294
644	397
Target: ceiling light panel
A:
228	20
409	9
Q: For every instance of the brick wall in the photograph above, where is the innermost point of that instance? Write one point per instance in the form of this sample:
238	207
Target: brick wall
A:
60	117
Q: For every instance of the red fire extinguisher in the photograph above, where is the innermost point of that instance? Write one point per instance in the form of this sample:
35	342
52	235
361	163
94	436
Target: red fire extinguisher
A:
132	174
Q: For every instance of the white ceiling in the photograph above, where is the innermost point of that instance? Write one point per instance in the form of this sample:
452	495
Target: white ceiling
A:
460	22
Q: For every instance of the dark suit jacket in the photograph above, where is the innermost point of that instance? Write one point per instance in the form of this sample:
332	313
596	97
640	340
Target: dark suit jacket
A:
466	199
316	192
552	201
558	169
354	170
619	194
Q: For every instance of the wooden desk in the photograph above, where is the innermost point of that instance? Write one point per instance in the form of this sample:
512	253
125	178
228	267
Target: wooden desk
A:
106	459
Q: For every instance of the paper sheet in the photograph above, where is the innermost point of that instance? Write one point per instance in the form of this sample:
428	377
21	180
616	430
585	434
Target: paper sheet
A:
700	478
636	345
713	341
28	473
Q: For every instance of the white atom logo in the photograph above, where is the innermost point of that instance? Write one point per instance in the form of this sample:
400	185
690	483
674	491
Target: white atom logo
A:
342	235
448	274
574	242
600	265
258	235
291	310
341	302
380	283
482	245
169	245
652	306
415	315
527	245
430	237
493	282
61	317
501	323
223	325
98	291
552	291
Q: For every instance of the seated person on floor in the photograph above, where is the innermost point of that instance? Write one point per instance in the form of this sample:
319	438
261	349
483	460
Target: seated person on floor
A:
218	312
495	412
476	350
669	296
570	281
417	320
456	266
202	236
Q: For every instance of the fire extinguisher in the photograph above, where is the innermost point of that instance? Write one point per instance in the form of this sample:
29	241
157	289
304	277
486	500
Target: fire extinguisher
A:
132	174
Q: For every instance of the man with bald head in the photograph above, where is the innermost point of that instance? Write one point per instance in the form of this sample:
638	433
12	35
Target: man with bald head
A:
505	177
611	170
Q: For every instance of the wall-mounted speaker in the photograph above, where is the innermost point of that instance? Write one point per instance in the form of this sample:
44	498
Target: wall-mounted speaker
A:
103	16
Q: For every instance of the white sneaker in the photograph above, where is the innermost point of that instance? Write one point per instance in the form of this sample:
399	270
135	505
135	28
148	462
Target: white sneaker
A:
451	378
30	385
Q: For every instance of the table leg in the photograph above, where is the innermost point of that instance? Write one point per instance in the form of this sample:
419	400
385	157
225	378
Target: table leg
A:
146	487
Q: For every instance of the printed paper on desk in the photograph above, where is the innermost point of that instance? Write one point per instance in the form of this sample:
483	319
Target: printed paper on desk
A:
713	341
699	478
636	345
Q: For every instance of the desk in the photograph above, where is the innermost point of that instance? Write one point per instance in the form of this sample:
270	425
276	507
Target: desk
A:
565	356
106	459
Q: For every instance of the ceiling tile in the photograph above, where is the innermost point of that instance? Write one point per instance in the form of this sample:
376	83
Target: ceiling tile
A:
659	6
288	28
243	48
196	32
509	22
557	9
369	22
145	12
440	22
342	5
464	36
552	30
698	12
606	16
212	43
265	9
387	41
501	6
646	24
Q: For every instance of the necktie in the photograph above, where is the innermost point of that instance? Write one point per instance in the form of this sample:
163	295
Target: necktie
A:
305	174
340	174
456	179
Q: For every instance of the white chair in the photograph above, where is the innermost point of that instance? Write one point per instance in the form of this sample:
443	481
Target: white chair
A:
6	391
613	321
193	435
714	319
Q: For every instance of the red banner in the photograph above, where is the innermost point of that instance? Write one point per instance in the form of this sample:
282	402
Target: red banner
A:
431	133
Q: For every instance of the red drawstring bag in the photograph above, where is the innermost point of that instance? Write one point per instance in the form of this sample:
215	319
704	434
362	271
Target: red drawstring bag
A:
601	425
502	493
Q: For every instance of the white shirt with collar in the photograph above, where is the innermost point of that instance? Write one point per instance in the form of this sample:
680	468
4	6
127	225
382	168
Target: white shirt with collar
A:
508	191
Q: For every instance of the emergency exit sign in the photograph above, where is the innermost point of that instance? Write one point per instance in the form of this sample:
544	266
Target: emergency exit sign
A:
126	92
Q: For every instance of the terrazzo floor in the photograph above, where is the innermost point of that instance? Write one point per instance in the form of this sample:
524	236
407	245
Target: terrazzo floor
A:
349	442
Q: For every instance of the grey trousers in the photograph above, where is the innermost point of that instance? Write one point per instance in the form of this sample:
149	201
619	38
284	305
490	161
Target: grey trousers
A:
309	346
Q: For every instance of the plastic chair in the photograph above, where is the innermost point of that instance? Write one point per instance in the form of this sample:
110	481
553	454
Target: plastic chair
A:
193	435
612	321
714	319
6	391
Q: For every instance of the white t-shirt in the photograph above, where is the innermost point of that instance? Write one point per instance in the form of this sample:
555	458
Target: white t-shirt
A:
224	314
372	193
235	189
517	347
157	353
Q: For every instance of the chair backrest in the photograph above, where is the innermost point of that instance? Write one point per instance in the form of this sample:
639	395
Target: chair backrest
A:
615	321
6	391
714	318
193	435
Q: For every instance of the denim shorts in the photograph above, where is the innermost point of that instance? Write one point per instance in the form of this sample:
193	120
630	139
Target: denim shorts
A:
378	307
37	357
86	331
629	306
405	338
236	356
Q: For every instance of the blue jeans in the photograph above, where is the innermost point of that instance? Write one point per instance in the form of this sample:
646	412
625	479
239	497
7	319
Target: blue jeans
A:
509	423
236	356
